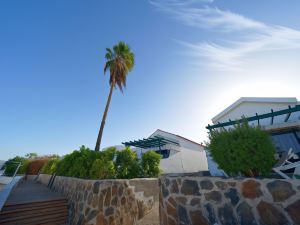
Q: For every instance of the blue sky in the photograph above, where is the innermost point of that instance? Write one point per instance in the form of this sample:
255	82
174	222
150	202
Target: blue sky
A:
193	58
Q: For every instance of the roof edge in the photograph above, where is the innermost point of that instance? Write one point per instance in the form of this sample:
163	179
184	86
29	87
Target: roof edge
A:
255	99
179	137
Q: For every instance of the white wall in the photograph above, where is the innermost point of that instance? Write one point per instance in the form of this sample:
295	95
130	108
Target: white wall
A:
188	157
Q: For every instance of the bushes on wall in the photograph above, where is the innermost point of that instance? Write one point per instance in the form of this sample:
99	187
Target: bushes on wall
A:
150	164
88	164
102	169
244	149
50	166
11	165
78	163
35	165
127	165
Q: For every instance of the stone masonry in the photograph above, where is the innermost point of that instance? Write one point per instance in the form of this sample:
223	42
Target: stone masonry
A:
105	202
208	200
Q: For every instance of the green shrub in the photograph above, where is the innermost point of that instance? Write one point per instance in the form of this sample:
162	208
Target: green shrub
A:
102	169
150	164
243	149
24	167
78	163
50	167
127	165
11	165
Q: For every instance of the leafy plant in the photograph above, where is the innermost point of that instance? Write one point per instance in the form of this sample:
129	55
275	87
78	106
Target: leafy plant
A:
243	149
150	164
11	165
50	166
78	163
102	169
127	165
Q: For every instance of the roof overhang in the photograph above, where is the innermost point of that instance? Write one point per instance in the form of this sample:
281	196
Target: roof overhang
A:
287	112
152	142
290	100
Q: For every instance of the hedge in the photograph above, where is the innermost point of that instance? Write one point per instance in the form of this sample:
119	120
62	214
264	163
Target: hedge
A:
242	150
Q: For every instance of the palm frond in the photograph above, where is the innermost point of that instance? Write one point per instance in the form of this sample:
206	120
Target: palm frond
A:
120	61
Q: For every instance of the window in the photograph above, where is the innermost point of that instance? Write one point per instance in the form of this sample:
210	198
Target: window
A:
285	140
165	153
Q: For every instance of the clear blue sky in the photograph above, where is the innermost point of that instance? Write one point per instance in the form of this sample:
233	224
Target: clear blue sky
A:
193	58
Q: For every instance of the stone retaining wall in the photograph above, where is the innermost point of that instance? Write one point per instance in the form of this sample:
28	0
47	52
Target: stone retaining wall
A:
207	200
106	201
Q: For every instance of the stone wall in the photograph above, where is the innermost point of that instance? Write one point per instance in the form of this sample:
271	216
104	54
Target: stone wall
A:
207	200
106	201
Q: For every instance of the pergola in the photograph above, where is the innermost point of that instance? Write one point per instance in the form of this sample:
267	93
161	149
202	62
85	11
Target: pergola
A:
152	142
287	112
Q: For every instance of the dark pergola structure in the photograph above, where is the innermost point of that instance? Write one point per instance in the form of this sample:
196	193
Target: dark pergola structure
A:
151	142
257	117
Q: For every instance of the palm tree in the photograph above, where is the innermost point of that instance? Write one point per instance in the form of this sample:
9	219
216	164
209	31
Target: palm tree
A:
120	61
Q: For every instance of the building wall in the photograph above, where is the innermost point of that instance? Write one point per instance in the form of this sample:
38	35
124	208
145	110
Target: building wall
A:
90	202
250	109
207	200
188	157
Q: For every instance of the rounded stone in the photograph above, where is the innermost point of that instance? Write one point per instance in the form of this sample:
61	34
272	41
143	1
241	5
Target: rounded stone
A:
190	187
232	195
221	185
213	196
251	189
206	185
280	190
245	214
109	211
269	215
195	202
226	215
182	215
96	187
198	218
174	187
294	211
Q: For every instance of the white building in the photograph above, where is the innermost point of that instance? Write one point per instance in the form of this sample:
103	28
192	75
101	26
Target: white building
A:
179	155
278	116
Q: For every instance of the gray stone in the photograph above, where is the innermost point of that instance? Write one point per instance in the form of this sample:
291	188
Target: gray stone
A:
245	215
280	190
221	185
206	185
167	182
213	196
183	218
269	215
92	214
85	194
96	187
233	196
226	215
174	187
109	211
90	198
164	190
211	213
294	211
195	202
198	218
190	187
80	220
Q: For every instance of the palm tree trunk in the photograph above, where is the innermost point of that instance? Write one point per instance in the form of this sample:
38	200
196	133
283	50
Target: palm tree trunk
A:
98	143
